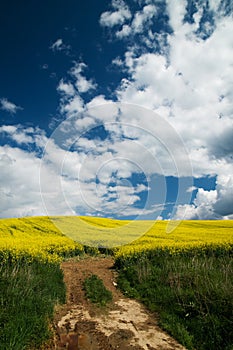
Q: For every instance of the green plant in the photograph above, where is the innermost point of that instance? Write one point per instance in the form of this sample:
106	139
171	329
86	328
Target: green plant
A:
192	291
96	291
28	295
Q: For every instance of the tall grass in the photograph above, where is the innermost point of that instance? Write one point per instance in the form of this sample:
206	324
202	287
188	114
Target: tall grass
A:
29	292
192	292
96	291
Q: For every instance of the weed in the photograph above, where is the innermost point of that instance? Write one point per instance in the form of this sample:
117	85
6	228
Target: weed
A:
96	291
193	293
28	295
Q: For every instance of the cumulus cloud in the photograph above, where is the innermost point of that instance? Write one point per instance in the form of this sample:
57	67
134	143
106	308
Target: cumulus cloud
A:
82	83
224	203
188	82
202	209
118	16
63	181
140	24
191	85
20	190
143	17
72	104
176	11
99	170
182	78
24	135
66	88
8	106
124	31
214	204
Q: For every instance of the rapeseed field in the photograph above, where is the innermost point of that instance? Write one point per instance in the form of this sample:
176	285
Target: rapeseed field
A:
187	235
34	238
141	235
51	239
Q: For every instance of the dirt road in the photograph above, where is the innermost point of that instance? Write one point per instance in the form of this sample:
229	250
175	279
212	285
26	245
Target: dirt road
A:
124	324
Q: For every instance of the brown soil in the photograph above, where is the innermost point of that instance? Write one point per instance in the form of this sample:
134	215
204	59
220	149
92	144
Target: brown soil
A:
124	324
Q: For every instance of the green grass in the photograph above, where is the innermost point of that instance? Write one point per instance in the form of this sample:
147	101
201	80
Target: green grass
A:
28	296
96	292
192	292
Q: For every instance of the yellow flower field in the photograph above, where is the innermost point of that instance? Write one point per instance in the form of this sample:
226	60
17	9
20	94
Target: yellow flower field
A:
50	239
139	235
187	235
30	238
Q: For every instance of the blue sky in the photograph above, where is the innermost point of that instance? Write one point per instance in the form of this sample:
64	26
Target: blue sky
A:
117	108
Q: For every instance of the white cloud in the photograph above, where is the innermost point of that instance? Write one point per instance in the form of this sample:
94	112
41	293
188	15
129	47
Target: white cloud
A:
119	16
205	197
142	17
214	5
59	45
192	188
224	203
9	106
140	23
102	110
82	83
214	204
71	103
124	32
202	209
186	77
73	107
20	190
191	88
132	24
66	88
71	177
10	129
117	62
176	11
189	83
22	135
76	162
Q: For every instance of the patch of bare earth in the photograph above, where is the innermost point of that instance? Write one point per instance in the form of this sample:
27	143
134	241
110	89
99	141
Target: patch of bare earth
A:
124	324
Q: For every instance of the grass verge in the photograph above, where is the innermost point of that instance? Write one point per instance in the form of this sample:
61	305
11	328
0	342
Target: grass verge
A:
192	292
95	290
29	293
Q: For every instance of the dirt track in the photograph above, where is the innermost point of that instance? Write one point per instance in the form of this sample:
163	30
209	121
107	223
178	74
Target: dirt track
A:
124	324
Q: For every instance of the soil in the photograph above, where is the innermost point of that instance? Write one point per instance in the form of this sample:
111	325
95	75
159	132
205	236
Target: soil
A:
124	324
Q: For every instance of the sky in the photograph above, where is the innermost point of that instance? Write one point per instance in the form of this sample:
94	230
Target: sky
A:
120	109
